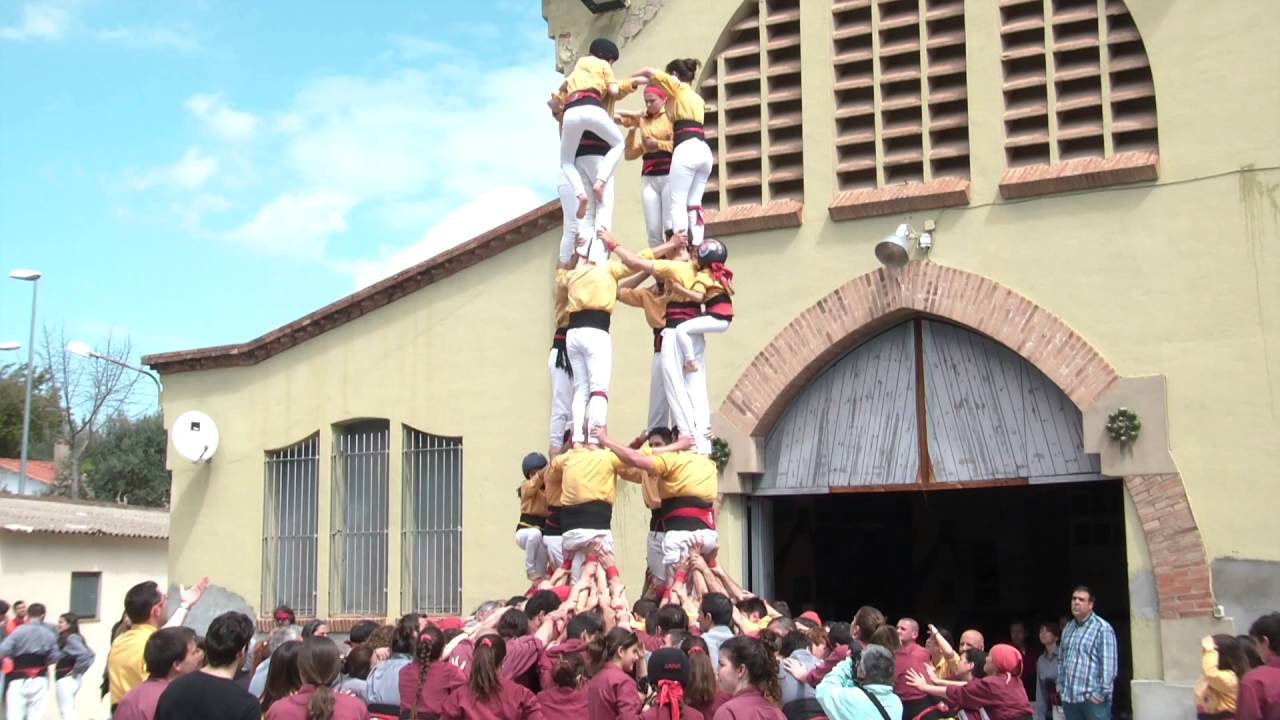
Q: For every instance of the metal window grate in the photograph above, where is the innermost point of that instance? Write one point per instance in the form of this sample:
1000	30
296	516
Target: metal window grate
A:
289	526
86	589
432	524
358	526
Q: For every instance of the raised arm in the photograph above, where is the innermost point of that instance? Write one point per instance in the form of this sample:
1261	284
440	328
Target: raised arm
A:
634	458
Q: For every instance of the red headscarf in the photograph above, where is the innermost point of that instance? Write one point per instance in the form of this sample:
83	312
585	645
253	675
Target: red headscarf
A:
722	275
670	693
1007	659
655	91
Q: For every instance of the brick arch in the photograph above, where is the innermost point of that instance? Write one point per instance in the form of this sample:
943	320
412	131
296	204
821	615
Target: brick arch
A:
872	302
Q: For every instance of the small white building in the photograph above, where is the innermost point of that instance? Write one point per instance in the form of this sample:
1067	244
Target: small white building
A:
80	557
40	476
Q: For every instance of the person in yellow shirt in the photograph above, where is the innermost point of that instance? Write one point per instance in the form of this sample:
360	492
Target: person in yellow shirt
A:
687	485
669	262
713	287
1222	664
533	516
592	291
144	604
552	486
586	88
589	481
650	138
691	160
559	369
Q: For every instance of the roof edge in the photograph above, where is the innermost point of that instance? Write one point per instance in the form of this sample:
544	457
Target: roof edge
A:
384	292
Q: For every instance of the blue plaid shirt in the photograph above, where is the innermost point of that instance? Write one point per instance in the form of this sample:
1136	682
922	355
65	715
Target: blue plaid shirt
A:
1087	660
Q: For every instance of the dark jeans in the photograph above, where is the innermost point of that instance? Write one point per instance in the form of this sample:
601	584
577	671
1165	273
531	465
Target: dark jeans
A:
1087	711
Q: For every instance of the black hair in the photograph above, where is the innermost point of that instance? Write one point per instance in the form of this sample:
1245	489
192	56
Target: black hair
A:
602	650
4	607
569	670
73	628
662	433
978	659
430	648
450	634
358	663
782	608
752	605
684	69
1051	625
672	617
795	640
36	610
486	659
841	633
515	601
1249	647
866	621
1085	589
675	638
361	631
1267	628
228	636
283	678
406	635
139	601
605	49
645	609
584	623
760	664
1231	655
309	630
166	647
543	601
718	606
513	624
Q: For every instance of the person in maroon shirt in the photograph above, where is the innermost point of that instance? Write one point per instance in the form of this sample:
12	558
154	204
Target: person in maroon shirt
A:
669	674
318	663
1000	693
748	673
581	630
488	695
612	693
1259	696
910	656
426	682
702	692
566	694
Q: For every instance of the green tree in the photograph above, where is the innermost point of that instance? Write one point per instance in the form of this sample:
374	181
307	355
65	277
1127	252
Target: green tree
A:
45	414
126	462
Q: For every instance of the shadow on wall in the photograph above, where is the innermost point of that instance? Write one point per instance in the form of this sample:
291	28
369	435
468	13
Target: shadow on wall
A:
1246	589
216	600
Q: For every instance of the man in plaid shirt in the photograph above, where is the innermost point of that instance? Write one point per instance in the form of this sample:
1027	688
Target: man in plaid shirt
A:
1087	661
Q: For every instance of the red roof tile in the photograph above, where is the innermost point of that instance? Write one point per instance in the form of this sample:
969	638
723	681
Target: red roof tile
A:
42	471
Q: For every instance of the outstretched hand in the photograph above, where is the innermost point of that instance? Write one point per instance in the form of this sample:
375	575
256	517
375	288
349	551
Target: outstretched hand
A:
795	669
191	595
916	680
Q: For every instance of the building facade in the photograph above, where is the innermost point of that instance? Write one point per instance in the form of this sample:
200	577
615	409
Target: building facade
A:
1100	179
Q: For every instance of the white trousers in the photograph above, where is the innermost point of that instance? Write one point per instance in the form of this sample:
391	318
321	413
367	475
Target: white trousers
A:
569	218
659	409
578	120
655	199
561	400
653	556
696	386
690	167
591	355
26	698
676	544
576	543
66	689
555	549
535	552
676	385
599	214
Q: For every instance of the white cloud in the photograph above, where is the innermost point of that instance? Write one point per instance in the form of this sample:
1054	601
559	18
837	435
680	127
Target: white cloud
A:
148	37
297	223
480	214
190	172
220	119
409	47
40	21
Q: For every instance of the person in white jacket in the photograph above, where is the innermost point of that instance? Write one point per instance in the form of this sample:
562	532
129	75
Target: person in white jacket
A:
870	697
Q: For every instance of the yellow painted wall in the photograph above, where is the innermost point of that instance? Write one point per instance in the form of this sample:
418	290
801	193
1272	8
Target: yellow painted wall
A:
1181	279
38	567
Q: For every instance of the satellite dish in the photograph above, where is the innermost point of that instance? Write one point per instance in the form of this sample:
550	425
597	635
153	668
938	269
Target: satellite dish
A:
195	436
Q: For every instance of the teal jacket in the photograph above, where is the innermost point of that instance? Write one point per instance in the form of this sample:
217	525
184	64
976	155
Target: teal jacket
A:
841	699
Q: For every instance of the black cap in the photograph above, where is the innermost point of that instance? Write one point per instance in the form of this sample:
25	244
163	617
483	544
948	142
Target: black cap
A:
532	463
604	49
669	664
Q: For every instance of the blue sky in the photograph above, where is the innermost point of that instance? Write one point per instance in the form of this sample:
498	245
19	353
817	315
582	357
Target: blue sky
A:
197	173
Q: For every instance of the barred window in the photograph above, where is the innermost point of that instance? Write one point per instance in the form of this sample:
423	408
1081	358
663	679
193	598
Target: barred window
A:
358	521
432	524
289	526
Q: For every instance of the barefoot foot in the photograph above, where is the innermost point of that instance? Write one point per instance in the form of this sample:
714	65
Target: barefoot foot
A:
598	189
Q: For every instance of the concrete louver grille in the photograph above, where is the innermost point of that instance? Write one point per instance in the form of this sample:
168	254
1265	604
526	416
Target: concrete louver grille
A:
1077	82
900	88
752	89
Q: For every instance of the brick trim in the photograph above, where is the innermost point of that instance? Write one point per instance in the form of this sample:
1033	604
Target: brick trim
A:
741	219
872	302
1082	174
895	199
337	624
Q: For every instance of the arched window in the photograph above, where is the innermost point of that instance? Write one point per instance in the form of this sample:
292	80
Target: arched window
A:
432	524
358	518
290	502
1080	107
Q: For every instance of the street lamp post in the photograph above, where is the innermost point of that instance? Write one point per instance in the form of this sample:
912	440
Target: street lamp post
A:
33	277
78	347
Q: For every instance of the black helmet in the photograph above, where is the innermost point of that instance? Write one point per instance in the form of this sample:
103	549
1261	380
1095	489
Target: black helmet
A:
669	664
605	49
712	251
532	463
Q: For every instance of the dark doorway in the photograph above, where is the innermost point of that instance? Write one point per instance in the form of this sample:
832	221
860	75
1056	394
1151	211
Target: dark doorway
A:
959	558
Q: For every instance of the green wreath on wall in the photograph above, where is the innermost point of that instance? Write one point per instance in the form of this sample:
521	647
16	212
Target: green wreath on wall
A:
720	453
1123	425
